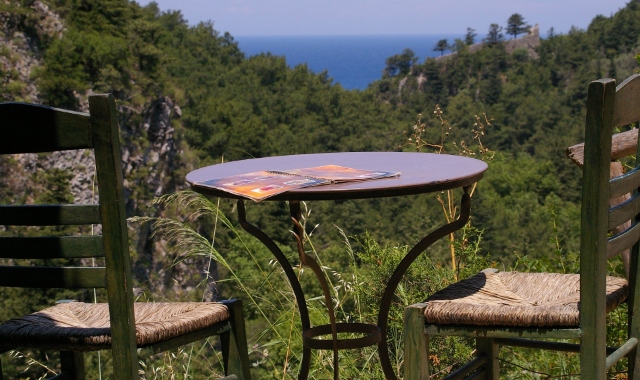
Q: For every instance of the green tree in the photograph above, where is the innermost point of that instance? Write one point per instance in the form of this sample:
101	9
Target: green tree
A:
470	37
458	45
516	25
441	46
551	33
401	63
495	34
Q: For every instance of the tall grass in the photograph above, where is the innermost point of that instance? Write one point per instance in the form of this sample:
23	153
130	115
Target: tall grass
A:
250	273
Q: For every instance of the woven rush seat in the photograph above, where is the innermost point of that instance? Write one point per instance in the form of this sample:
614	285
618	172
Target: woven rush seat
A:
85	327
516	299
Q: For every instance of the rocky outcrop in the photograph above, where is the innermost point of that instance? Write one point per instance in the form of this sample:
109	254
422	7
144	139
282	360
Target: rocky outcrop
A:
150	151
528	42
161	152
19	52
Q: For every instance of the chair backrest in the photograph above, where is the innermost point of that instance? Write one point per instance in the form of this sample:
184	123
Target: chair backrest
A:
608	107
28	128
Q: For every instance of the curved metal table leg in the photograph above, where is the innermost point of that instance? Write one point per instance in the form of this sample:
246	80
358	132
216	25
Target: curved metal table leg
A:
373	334
370	333
293	281
392	285
294	208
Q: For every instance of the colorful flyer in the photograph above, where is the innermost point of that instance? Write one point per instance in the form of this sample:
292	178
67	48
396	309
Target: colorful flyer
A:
264	184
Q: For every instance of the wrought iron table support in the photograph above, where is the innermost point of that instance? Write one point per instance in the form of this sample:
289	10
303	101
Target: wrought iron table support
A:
291	276
392	285
371	333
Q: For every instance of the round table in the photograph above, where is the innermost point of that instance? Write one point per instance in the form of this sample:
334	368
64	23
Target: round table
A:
419	173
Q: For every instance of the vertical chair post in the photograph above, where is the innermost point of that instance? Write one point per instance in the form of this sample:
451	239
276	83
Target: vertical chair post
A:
489	348
634	290
235	352
416	343
634	316
594	220
106	141
72	365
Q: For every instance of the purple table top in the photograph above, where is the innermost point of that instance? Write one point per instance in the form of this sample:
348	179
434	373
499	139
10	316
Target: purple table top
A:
420	173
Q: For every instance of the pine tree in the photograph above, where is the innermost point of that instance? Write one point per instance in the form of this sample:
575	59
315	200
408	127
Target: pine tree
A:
495	34
441	46
470	37
516	25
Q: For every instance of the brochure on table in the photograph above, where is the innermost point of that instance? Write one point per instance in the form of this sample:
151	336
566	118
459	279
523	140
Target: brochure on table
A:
267	183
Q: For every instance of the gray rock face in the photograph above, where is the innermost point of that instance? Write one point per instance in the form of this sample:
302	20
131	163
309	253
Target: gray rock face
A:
19	53
161	152
150	152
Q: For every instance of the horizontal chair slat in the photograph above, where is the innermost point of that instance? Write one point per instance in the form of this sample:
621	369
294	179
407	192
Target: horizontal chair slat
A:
503	332
626	109
52	277
624	184
621	352
49	215
544	345
464	371
28	128
153	349
623	241
624	212
51	247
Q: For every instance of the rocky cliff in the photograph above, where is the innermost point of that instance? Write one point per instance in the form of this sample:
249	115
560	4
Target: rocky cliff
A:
151	150
527	42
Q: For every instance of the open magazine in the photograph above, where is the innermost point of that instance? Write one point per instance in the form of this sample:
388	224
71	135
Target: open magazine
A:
264	184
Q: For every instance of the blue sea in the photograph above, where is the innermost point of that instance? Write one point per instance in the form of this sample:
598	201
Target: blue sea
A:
352	61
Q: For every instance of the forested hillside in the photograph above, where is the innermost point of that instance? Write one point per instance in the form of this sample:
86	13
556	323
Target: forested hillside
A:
188	97
537	103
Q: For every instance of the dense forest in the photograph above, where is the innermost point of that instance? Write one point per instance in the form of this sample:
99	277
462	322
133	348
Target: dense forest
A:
223	106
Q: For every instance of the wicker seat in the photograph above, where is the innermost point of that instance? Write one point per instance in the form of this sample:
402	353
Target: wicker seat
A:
533	309
80	326
516	299
131	330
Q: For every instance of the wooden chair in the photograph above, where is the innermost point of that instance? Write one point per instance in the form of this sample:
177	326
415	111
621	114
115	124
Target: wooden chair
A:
129	329
520	309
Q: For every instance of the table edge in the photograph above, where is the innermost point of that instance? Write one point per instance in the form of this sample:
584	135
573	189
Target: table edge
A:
296	195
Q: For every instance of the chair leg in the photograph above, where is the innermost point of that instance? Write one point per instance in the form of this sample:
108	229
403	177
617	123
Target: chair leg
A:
72	365
488	347
235	353
634	364
416	344
634	355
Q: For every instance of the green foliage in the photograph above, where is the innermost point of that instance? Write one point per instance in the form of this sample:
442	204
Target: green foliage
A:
470	37
516	25
441	46
494	35
401	63
521	194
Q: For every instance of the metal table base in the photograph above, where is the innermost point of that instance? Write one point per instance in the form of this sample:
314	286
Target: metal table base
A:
371	334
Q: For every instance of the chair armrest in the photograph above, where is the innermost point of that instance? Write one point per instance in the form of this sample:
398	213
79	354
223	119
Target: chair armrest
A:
622	144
